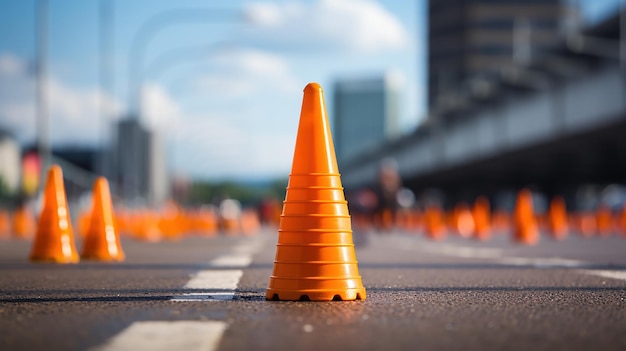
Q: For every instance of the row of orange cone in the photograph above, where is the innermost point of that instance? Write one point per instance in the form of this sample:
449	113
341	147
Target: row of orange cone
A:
143	224
479	222
173	223
54	237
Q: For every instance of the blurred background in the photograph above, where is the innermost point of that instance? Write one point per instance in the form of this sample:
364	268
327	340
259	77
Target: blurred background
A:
193	103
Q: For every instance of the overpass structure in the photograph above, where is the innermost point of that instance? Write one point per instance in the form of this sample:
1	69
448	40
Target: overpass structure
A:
556	123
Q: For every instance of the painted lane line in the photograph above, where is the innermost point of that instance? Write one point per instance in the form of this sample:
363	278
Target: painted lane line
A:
222	282
552	262
235	260
215	279
219	284
620	275
209	296
499	257
166	336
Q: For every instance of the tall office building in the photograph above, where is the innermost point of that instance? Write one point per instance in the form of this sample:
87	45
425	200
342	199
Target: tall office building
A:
9	161
365	114
467	38
138	163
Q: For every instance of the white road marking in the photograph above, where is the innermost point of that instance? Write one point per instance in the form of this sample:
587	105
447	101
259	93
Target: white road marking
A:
215	279
210	296
498	256
235	260
219	284
538	262
621	275
166	336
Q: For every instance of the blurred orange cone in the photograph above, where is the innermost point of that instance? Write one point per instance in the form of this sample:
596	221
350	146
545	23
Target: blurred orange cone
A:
5	224
604	220
482	219
585	223
82	223
434	223
463	222
102	241
557	218
54	241
145	226
500	221
24	225
315	258
525	229
623	221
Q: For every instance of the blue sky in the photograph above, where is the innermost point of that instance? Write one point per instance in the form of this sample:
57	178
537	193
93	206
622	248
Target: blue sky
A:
231	109
228	111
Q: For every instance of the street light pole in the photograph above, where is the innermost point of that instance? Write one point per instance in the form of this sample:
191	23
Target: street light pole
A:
41	34
106	74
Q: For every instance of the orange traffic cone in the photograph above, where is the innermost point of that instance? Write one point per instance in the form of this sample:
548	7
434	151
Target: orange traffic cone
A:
557	218
500	221
102	241
462	220
54	241
315	258
82	223
482	219
24	224
5	224
434	224
525	229
622	221
604	220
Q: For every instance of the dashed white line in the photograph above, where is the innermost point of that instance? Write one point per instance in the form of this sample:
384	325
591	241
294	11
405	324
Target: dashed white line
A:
166	336
219	284
538	262
235	260
224	282
215	279
620	275
499	256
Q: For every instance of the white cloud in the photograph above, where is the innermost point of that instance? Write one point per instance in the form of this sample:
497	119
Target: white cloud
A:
11	65
348	25
240	72
159	111
73	113
218	147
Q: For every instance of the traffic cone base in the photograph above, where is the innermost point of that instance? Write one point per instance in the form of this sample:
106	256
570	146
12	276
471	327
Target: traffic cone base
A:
315	258
315	295
54	241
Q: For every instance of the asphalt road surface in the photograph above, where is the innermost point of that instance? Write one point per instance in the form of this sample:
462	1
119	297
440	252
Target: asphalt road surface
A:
209	294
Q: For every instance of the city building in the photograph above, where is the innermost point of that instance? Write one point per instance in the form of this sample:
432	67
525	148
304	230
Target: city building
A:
365	114
9	162
470	38
138	163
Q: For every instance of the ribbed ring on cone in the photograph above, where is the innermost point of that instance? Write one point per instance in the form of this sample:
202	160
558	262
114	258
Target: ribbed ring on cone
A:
301	270
330	207
300	222
319	253
314	193
315	283
305	180
315	236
